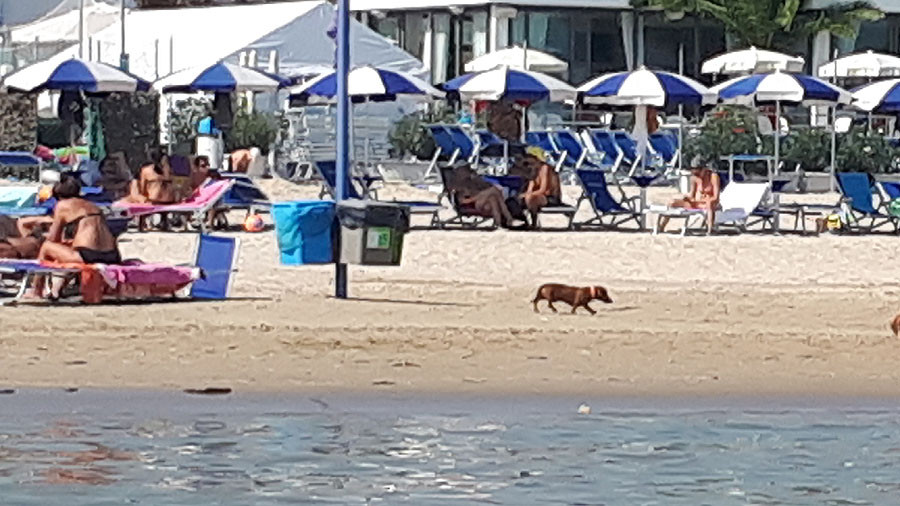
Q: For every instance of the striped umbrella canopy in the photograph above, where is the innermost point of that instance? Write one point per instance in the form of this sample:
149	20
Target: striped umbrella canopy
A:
645	87
880	97
74	75
366	84
642	88
506	83
219	78
781	87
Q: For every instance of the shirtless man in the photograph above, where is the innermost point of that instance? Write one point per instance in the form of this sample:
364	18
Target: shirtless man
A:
486	198
704	195
544	188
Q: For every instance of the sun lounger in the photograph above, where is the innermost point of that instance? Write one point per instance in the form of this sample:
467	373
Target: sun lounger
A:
197	205
628	146
665	148
576	156
465	216
859	203
328	171
609	212
210	276
544	140
605	144
244	194
738	204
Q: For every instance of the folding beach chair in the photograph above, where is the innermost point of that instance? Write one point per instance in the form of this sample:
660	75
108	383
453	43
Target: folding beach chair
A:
608	211
859	204
217	259
576	156
465	216
544	140
628	146
465	146
665	147
605	144
328	171
738	203
445	148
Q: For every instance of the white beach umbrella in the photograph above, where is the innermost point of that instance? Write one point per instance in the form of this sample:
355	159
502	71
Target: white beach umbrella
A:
751	60
505	83
866	64
880	97
518	57
220	78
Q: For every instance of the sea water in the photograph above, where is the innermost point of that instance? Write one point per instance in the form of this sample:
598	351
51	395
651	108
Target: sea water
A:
123	447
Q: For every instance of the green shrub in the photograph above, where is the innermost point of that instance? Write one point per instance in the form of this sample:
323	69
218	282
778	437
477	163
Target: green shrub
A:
410	135
729	130
862	151
255	129
811	147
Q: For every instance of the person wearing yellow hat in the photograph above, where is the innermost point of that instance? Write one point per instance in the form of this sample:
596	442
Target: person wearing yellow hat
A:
544	187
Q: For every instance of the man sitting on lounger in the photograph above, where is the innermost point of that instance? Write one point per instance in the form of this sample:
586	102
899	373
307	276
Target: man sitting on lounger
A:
704	195
544	187
92	241
486	198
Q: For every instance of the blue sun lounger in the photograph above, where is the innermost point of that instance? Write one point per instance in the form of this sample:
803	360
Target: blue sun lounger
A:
608	211
328	171
858	201
215	257
244	194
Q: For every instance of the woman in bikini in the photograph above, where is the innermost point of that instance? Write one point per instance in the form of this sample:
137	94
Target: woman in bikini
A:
704	195
91	240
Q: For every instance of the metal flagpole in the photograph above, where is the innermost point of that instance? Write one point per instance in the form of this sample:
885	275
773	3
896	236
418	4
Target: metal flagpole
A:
343	125
831	181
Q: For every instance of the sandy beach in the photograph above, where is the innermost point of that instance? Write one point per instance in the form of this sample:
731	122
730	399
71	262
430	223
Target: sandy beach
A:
739	314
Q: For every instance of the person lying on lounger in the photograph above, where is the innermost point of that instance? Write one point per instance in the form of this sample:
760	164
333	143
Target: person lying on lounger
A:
704	195
487	199
20	242
544	187
92	241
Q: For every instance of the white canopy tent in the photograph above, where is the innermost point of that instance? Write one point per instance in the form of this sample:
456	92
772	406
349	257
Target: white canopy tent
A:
61	24
160	42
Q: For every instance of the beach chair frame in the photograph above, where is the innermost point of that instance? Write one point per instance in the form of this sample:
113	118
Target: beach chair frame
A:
198	245
855	210
625	210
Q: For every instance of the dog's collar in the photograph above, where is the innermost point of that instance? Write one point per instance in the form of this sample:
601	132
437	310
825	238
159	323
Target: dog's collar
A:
593	292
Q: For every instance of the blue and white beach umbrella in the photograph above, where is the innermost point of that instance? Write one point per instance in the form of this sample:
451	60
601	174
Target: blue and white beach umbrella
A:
782	87
220	78
505	83
366	84
880	97
645	87
75	75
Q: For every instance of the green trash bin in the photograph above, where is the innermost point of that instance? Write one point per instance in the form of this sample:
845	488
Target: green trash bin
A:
372	232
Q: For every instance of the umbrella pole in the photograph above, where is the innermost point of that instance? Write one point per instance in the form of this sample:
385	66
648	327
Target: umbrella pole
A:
833	148
774	170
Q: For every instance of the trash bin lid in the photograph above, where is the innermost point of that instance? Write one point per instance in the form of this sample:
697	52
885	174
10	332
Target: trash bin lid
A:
372	213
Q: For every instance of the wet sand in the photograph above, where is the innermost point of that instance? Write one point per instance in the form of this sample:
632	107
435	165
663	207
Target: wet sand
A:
742	315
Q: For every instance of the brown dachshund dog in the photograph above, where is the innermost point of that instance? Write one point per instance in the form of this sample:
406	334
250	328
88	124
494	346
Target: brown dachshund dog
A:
895	325
571	295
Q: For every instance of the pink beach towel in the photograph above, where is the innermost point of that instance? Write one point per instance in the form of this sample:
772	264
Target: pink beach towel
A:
201	198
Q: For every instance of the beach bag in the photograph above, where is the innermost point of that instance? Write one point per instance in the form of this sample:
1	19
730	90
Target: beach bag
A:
834	223
894	208
516	209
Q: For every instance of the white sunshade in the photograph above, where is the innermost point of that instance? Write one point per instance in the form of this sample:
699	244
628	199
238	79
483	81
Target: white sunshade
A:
518	57
752	60
866	64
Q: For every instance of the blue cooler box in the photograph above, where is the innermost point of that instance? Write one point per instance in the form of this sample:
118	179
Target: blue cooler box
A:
303	229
